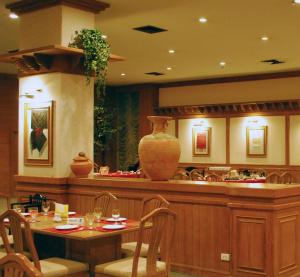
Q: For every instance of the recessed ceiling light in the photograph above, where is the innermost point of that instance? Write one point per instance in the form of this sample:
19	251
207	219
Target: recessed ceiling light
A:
296	1
169	68
123	74
104	36
264	38
222	63
202	20
171	51
13	16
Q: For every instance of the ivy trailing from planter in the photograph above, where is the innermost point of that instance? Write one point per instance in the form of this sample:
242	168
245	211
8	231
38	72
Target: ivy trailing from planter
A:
96	54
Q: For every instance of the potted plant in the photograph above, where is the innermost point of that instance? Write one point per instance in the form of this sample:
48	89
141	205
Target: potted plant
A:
96	54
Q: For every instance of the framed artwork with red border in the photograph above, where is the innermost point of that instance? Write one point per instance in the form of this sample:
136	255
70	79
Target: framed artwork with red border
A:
201	140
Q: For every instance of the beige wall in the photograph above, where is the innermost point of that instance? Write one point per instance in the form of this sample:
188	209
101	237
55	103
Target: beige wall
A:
73	119
294	140
275	144
55	25
264	90
171	129
218	140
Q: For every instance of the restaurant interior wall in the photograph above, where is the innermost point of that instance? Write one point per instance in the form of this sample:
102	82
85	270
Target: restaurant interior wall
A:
70	94
231	92
8	132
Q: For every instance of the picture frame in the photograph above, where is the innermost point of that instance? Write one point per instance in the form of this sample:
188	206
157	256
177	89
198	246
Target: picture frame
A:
256	141
38	134
201	141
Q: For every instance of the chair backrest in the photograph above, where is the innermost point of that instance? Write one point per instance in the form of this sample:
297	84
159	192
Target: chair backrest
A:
273	178
103	200
287	178
151	203
15	225
161	237
196	175
181	174
18	265
212	177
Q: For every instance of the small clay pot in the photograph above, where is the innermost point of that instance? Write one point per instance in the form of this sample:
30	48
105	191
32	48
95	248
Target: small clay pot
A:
81	165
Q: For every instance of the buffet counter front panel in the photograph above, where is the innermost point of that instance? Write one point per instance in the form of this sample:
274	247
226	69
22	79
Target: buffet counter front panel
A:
223	229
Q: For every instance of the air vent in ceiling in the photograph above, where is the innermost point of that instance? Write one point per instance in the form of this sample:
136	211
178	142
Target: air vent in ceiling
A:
149	29
272	61
155	73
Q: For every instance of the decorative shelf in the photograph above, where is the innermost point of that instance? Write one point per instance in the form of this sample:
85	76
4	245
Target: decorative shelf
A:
52	58
231	108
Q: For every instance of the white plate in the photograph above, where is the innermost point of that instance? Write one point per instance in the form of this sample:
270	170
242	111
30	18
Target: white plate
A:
72	213
25	214
66	227
113	227
111	219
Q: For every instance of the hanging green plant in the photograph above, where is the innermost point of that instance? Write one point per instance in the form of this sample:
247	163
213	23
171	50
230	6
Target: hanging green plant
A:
96	54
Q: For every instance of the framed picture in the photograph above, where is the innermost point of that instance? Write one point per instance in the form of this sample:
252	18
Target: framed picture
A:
256	141
201	141
38	121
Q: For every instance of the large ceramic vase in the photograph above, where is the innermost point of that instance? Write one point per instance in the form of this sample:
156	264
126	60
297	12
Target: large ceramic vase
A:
159	152
81	165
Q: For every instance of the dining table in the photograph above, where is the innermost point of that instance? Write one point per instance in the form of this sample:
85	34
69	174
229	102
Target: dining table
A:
90	244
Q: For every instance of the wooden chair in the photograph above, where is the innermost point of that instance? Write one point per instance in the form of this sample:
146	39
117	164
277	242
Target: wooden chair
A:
273	178
212	177
149	204
287	178
48	267
196	175
6	199
18	265
181	174
103	200
162	236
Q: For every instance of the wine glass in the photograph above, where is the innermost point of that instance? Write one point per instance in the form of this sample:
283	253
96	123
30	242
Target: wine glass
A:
89	219
115	214
97	214
46	207
34	211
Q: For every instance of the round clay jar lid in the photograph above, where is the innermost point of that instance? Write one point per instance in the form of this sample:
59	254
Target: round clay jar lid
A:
81	157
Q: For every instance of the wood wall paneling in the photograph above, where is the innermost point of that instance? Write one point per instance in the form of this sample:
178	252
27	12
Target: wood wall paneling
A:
8	132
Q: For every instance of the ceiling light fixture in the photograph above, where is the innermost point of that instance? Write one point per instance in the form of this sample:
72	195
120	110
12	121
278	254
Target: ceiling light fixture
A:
222	63
264	38
169	68
171	51
13	16
123	74
202	20
296	1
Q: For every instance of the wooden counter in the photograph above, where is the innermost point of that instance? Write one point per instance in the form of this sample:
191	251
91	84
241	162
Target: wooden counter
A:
257	224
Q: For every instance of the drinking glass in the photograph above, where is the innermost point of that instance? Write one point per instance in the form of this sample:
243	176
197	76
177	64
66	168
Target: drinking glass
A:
89	219
115	214
34	211
18	208
98	214
46	207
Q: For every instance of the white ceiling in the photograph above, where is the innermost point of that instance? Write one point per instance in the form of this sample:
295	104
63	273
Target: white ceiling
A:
232	34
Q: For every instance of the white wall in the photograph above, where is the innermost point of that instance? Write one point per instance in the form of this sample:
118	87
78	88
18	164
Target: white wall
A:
275	144
218	140
263	90
295	140
73	119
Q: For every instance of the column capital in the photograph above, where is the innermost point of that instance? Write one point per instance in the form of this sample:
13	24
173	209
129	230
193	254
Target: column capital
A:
25	6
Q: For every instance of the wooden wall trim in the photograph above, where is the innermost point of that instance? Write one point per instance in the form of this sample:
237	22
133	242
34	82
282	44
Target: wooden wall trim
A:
287	140
25	6
40	180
